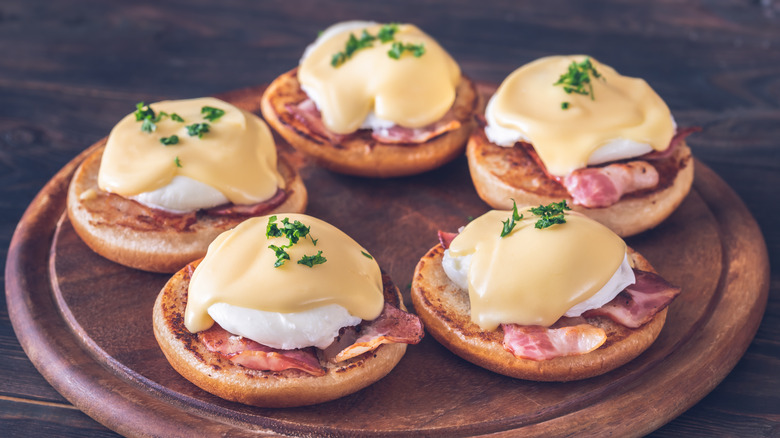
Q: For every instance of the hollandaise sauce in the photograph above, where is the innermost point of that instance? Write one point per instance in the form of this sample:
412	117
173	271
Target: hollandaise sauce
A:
231	150
566	128
239	269
412	91
533	276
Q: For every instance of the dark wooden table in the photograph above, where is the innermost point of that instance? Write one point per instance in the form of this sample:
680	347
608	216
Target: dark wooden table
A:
70	70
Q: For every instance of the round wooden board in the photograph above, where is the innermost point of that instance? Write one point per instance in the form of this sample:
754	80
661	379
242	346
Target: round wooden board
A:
86	322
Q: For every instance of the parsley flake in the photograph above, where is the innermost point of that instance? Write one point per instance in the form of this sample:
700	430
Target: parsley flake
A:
387	32
177	161
367	255
551	214
578	77
281	254
143	112
509	224
293	231
211	113
565	105
148	126
167	141
398	48
310	261
197	129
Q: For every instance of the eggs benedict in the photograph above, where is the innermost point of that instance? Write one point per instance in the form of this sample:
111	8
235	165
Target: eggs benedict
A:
569	127
376	100
283	311
173	175
540	293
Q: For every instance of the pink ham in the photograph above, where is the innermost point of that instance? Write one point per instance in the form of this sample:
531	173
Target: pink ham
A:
256	209
638	303
535	342
253	355
392	326
677	140
446	238
603	186
399	134
307	113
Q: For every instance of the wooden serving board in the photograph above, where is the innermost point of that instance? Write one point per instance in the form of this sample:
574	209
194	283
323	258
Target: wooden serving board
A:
86	322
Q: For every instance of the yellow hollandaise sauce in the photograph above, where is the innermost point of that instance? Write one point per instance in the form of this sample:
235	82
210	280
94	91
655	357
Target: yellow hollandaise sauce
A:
239	270
565	128
234	154
533	276
412	91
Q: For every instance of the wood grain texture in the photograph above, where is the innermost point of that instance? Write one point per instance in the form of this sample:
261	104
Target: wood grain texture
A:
70	70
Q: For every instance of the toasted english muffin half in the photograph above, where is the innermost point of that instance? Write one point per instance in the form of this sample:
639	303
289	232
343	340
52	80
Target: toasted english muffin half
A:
501	174
359	153
133	235
445	311
273	389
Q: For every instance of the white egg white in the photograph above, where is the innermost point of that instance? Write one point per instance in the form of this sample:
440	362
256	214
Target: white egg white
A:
182	195
317	327
457	269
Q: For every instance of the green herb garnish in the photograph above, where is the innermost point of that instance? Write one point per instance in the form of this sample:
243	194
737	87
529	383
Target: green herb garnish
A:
387	32
197	129
143	112
367	255
578	77
211	113
353	45
551	214
167	141
399	48
310	261
293	231
565	105
281	254
148	126
146	114
385	35
177	161
509	224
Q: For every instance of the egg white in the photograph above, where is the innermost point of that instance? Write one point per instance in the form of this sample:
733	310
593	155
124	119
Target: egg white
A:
317	327
614	150
182	195
457	269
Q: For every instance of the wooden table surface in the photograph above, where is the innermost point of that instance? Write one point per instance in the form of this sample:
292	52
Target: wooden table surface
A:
70	70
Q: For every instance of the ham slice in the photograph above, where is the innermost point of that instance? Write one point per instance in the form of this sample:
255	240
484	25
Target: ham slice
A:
399	134
639	302
249	210
392	326
446	238
677	140
256	356
633	307
307	113
129	213
535	342
603	186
